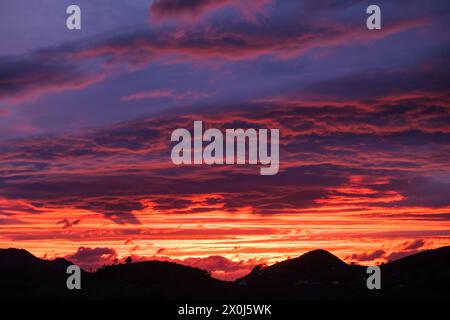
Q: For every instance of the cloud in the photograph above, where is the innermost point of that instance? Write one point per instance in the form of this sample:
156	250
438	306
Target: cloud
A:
399	251
78	65
429	76
364	155
223	268
160	251
10	221
125	169
141	48
23	79
93	258
171	9
66	223
413	245
153	94
218	266
405	249
119	210
162	94
400	254
427	191
367	256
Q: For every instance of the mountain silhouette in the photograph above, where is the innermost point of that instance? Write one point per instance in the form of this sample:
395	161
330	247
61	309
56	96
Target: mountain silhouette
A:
23	275
314	264
315	275
155	280
22	259
425	274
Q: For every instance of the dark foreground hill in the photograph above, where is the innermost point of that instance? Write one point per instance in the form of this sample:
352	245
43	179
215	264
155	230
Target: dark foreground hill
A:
314	275
22	275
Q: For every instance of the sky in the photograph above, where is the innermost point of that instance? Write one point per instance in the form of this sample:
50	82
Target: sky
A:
86	117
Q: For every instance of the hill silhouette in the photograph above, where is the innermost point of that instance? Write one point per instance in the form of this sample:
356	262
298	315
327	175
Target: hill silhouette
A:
155	280
23	275
315	275
22	259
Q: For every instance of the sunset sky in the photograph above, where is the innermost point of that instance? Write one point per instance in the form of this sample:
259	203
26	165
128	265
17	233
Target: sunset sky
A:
86	118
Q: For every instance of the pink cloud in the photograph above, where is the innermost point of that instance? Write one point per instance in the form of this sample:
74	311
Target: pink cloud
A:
93	258
66	223
165	93
413	245
194	9
38	74
144	95
223	268
218	266
367	256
